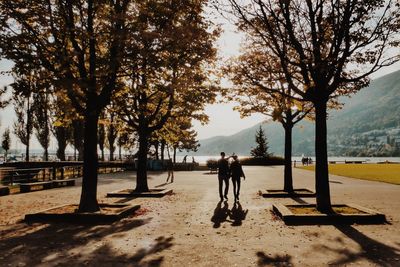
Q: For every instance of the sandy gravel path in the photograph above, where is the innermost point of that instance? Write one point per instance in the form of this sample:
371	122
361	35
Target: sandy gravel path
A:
191	228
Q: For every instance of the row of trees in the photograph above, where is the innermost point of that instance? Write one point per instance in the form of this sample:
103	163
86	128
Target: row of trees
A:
44	115
142	64
300	56
151	63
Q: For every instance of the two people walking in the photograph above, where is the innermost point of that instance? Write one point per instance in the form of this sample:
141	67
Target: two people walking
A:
225	172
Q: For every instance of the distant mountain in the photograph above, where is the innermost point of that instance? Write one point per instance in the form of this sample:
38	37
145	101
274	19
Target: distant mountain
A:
368	125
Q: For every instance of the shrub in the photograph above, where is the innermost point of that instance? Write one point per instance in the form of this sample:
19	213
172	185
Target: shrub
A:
212	164
271	160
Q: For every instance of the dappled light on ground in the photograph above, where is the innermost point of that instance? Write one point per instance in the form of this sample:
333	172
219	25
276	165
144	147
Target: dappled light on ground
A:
192	228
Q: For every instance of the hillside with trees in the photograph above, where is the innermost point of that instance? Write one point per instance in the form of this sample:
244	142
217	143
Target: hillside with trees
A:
367	125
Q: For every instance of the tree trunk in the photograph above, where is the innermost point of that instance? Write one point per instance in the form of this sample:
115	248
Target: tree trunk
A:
168	152
156	145
27	152
81	151
102	154
162	149
46	149
28	132
61	153
88	202
288	178
141	172
120	152
111	137
46	154
321	167
78	132
174	155
112	153
61	137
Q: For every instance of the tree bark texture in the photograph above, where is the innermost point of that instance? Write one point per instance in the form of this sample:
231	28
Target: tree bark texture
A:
78	131
61	137
28	127
46	154
141	172
288	178
321	167
88	202
112	149
156	145
162	149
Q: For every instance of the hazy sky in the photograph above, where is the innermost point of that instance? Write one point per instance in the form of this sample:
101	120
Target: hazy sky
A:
223	120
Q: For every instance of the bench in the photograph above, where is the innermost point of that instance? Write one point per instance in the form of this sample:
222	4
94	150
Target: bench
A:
63	182
353	162
28	187
4	190
213	170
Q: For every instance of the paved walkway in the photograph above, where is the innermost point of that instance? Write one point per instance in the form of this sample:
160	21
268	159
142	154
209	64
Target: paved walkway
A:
191	228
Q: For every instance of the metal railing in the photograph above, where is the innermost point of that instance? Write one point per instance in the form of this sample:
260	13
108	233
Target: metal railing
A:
13	176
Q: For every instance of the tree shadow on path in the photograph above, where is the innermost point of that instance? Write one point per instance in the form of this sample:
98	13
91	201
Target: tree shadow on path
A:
276	260
77	245
163	184
299	200
374	251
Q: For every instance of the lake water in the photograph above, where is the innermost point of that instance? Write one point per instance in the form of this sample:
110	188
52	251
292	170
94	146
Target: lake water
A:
203	159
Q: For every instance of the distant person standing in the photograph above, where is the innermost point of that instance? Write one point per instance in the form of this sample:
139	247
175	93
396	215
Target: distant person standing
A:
170	169
223	176
236	173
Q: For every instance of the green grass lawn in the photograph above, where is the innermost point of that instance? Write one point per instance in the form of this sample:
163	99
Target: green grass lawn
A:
388	173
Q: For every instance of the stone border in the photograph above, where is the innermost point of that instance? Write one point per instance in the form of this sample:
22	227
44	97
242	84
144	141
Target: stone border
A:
35	186
280	193
82	218
4	190
369	217
158	192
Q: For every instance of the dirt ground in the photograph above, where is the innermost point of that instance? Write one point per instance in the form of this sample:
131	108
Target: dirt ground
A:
191	227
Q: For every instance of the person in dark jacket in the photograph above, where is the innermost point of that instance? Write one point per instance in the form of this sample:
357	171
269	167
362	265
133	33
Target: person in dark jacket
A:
236	172
223	176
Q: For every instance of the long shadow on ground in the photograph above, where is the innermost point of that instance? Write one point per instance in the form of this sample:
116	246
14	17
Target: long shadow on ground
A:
372	250
237	214
161	185
221	213
77	245
299	200
276	260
